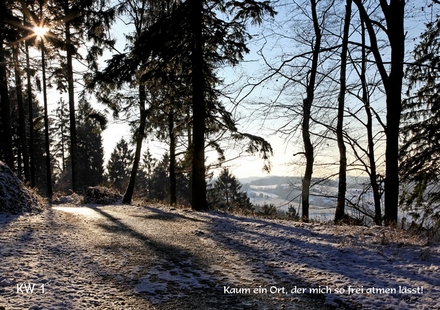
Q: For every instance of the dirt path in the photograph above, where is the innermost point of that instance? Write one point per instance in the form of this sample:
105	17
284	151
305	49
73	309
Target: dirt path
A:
125	257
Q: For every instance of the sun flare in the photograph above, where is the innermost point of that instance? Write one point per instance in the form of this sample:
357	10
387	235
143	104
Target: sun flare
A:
40	31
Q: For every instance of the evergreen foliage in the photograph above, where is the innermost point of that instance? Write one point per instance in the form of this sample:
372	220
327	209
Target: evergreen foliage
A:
39	142
60	131
119	165
90	124
168	76
200	36
8	34
226	194
160	179
145	174
420	152
153	180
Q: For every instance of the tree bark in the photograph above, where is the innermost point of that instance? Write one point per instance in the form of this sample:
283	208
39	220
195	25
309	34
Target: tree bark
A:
198	186
394	16
189	150
370	138
46	127
172	168
31	116
71	91
128	196
21	116
342	185
307	106
5	109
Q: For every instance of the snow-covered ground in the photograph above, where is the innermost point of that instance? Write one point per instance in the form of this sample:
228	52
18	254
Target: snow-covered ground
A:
371	268
125	257
261	194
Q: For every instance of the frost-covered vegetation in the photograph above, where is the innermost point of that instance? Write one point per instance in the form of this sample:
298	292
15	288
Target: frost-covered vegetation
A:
15	197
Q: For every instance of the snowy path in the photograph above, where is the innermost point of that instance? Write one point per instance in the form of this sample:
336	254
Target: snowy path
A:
124	257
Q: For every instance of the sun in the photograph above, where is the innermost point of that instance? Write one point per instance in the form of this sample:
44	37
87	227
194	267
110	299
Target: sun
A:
40	31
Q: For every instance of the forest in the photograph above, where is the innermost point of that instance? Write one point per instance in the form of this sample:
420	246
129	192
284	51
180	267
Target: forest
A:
352	84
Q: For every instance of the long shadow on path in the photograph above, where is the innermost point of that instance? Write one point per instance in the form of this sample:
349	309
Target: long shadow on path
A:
179	277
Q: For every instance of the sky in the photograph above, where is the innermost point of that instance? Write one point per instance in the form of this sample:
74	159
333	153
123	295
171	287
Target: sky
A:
252	120
249	122
247	166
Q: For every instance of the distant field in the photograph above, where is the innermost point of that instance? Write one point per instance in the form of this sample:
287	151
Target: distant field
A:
315	212
282	192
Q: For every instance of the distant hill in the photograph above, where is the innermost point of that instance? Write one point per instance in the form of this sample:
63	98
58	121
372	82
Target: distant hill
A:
352	181
279	180
249	179
269	180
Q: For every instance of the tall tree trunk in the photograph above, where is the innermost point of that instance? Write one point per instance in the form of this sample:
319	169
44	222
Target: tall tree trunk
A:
128	196
172	168
370	138
189	133
394	15
342	186
63	138
198	188
5	108
21	116
46	127
31	116
307	106
308	151
71	91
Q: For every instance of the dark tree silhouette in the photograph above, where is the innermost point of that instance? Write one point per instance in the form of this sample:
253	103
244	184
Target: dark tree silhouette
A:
227	193
119	165
420	152
342	185
7	34
394	14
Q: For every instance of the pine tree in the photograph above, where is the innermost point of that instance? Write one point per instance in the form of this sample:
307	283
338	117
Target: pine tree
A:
123	70
39	148
81	19
201	35
24	152
160	180
60	131
148	165
420	153
7	35
119	165
90	124
227	193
